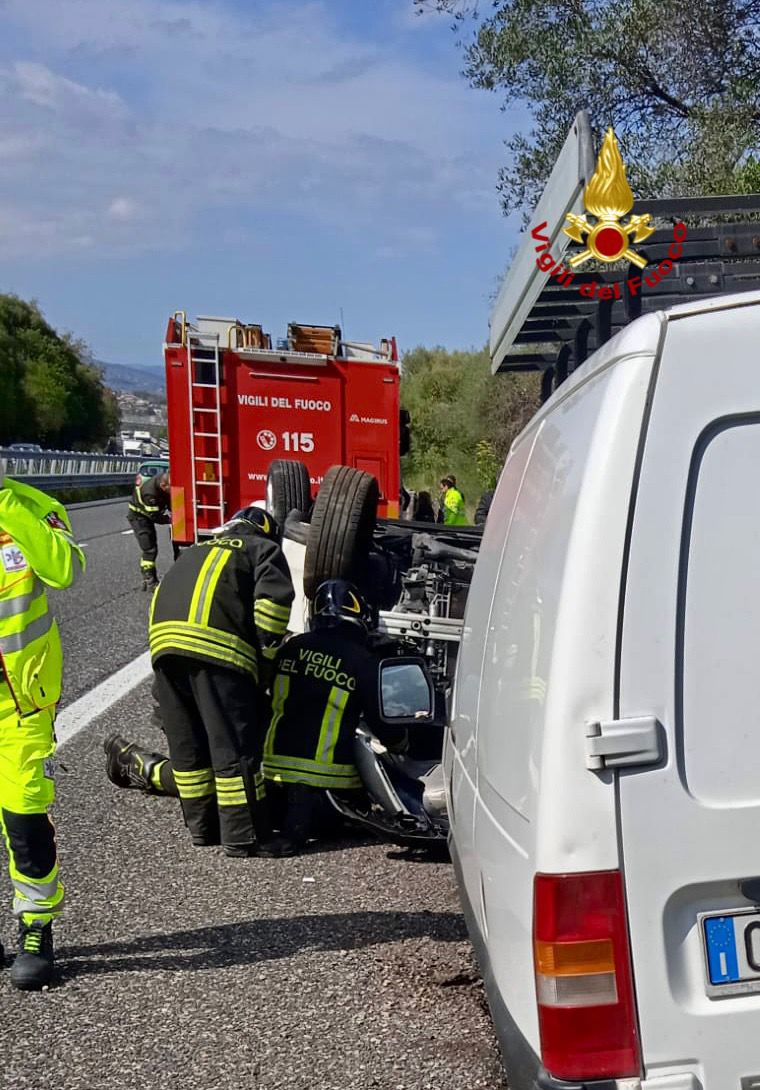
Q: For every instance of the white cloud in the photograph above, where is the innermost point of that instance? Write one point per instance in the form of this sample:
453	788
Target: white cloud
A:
37	84
205	112
123	208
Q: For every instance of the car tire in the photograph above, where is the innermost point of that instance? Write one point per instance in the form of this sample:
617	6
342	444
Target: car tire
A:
288	489
342	524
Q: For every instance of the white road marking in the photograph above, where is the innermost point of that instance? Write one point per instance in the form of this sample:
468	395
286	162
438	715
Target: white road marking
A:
125	532
82	712
84	544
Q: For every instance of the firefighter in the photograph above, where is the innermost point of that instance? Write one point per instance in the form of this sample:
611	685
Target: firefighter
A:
36	549
216	620
149	507
325	680
452	511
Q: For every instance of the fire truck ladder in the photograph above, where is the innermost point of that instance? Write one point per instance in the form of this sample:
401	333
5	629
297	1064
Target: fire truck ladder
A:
204	373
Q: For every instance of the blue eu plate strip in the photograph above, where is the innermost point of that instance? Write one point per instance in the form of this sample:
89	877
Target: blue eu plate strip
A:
721	949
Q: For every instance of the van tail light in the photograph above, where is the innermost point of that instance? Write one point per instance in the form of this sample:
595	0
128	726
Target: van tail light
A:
584	984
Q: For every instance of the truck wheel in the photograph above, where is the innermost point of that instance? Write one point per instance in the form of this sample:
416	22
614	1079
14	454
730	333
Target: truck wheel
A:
288	489
342	524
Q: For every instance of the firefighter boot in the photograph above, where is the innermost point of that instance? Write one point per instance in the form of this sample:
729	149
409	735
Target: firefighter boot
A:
33	968
129	766
149	576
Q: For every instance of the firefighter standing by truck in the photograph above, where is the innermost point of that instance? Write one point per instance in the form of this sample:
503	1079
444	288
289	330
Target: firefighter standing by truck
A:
150	506
216	620
36	549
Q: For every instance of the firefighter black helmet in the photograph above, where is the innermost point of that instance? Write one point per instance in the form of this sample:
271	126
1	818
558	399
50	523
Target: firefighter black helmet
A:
258	518
336	601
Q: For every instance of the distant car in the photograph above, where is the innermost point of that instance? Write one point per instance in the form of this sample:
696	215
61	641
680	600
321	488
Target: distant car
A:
26	448
150	468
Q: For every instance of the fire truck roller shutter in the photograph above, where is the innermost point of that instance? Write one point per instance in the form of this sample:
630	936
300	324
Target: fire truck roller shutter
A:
288	489
342	524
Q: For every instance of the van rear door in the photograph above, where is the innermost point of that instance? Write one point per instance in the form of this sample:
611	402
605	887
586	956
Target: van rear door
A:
690	657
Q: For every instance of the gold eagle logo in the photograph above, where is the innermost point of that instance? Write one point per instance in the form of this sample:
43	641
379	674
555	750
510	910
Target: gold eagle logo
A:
608	197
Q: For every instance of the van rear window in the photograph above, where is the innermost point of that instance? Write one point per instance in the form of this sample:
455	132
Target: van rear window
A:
719	618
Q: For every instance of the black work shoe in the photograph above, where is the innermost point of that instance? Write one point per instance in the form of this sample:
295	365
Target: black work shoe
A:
129	766
276	848
33	968
150	581
238	851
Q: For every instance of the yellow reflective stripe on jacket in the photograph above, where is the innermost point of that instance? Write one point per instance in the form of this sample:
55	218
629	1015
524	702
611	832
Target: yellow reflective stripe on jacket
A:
270	617
205	633
331	724
177	645
21	603
205	586
178	642
299	770
32	630
151	508
266	605
280	692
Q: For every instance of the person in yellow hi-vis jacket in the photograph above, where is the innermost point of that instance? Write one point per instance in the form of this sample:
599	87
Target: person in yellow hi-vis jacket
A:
452	512
36	549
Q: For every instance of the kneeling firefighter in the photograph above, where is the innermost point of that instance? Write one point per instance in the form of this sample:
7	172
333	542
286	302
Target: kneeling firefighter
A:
325	681
216	618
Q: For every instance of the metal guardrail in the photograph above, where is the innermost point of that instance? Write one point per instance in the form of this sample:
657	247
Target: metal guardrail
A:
54	470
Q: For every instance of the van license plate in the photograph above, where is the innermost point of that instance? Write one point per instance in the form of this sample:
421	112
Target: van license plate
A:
732	952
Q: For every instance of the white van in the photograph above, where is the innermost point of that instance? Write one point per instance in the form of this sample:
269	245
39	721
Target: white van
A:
603	764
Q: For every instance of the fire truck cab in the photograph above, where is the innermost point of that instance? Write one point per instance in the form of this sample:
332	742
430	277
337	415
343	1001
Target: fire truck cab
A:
236	404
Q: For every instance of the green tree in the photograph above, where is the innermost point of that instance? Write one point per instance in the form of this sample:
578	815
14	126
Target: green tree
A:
53	394
463	417
679	83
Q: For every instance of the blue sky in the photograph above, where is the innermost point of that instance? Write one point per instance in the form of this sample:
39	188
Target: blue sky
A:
271	160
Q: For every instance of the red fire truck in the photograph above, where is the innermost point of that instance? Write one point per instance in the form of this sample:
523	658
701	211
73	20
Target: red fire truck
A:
236	405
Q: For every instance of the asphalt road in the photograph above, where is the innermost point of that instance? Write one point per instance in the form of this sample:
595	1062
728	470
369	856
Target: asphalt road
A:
344	969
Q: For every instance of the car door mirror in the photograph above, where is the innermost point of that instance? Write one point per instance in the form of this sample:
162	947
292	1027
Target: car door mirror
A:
406	692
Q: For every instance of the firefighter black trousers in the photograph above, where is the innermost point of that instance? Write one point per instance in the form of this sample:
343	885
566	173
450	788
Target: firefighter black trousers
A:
145	532
215	721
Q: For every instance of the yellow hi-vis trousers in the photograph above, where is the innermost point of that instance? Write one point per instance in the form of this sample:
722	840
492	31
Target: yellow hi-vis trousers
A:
26	792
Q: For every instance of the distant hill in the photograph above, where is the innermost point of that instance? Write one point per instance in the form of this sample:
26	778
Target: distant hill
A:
130	380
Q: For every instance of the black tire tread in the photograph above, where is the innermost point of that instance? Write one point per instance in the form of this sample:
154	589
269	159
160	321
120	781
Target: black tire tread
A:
292	488
341	527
